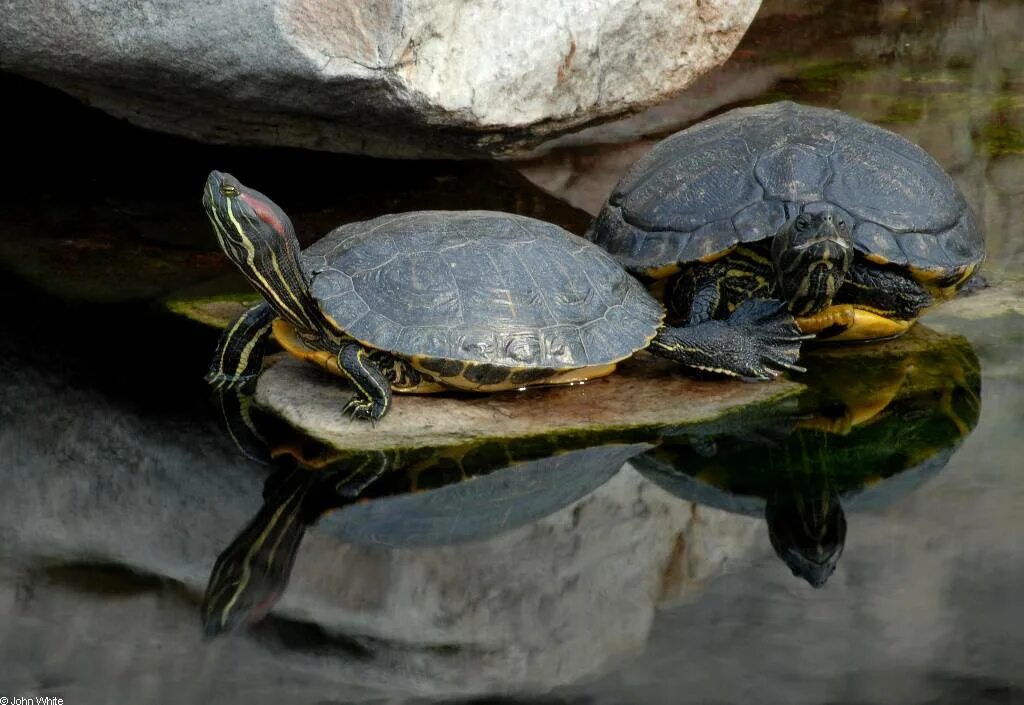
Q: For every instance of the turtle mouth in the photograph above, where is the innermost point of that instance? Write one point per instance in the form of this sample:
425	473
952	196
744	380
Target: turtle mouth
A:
829	236
815	572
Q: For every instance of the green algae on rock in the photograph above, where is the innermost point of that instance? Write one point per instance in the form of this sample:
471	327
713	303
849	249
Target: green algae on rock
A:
213	303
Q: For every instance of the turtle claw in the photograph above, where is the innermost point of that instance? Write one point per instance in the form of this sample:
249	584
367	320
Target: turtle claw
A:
769	339
759	341
359	409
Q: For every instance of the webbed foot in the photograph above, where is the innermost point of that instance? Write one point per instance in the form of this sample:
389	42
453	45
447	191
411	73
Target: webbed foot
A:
767	339
760	340
359	409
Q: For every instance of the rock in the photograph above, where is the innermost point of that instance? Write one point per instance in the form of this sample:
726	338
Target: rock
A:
1003	296
642	393
992	318
213	303
405	78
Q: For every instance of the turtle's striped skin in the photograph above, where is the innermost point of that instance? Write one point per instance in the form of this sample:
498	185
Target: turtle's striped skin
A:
855	227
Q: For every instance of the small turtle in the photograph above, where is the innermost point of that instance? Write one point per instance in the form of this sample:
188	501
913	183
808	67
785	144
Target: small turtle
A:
856	228
434	300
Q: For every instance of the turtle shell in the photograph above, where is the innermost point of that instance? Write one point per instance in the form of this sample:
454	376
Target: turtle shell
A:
738	177
480	286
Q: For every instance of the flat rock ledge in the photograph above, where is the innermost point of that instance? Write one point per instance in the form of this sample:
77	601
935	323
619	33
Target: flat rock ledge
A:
397	78
643	393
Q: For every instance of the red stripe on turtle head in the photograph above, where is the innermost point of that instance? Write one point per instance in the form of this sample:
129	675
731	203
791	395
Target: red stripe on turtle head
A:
265	212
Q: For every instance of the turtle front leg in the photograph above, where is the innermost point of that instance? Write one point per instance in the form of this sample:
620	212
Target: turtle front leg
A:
239	355
372	390
885	291
758	340
873	303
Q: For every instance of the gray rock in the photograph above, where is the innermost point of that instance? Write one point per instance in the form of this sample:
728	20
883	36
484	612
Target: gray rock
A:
389	77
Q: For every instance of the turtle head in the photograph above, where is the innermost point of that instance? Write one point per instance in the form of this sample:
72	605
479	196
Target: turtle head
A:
808	532
812	254
259	239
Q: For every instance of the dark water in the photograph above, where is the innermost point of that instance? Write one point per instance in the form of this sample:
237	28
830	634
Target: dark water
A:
646	566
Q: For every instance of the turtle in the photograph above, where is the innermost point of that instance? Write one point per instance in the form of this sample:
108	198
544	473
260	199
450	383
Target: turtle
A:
854	227
427	301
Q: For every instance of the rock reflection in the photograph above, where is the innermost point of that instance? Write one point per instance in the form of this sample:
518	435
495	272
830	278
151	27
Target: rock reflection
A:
480	568
876	421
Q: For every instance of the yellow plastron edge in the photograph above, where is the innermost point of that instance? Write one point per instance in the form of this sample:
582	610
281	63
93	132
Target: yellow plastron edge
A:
847	322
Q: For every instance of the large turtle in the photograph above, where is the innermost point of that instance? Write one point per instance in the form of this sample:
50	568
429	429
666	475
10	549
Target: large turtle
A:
433	300
856	228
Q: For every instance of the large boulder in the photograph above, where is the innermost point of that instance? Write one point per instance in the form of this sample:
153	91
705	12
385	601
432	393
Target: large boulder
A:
405	78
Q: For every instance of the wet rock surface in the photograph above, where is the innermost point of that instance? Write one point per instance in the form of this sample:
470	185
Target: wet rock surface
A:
404	78
641	393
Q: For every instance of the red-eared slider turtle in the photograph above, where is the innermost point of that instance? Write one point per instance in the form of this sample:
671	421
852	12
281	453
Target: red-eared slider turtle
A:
434	300
856	228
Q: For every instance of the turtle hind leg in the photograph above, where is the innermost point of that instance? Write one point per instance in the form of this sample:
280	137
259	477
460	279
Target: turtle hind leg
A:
372	390
239	355
760	340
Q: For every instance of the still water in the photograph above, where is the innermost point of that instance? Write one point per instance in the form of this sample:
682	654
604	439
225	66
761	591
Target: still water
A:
856	541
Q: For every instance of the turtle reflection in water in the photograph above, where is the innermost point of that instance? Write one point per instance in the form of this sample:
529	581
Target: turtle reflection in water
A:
421	497
876	422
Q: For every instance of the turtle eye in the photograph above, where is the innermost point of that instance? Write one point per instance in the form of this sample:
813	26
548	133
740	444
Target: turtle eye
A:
842	223
228	190
801	224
